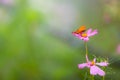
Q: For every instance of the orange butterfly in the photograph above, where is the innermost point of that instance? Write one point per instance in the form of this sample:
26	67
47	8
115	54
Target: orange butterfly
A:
80	30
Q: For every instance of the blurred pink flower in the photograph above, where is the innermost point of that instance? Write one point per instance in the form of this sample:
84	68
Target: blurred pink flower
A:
94	70
7	2
85	35
118	49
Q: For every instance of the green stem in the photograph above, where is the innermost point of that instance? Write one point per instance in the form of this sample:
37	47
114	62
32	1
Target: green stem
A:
103	78
86	48
92	77
85	77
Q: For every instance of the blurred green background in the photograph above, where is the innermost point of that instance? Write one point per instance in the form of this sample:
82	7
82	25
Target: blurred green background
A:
36	41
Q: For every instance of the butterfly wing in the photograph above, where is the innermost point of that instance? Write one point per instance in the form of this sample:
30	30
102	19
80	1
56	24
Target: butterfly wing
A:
80	30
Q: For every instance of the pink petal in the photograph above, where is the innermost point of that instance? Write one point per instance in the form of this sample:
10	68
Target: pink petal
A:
80	37
77	35
83	65
87	58
94	70
92	33
94	60
102	64
89	31
86	39
118	49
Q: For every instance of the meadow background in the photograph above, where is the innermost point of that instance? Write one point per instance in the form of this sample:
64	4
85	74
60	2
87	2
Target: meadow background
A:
36	41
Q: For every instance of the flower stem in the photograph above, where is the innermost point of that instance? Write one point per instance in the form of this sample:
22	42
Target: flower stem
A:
86	48
103	78
92	77
85	77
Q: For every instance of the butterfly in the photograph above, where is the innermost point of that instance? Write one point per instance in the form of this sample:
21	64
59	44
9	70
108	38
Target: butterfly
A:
80	30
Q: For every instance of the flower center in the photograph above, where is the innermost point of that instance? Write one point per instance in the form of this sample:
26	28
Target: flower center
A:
92	63
84	35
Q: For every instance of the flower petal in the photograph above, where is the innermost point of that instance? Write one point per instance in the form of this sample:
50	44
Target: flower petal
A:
94	59
75	34
87	58
102	64
78	36
94	70
118	49
83	65
86	39
92	33
89	31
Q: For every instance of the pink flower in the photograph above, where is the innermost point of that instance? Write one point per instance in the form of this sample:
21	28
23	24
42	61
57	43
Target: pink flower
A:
7	2
118	49
92	65
85	35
